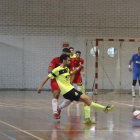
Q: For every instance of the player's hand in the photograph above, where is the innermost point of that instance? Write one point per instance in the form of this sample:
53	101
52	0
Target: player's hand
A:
130	69
83	74
81	65
39	90
71	82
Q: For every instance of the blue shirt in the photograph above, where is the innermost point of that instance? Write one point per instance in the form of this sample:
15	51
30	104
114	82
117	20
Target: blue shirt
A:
136	63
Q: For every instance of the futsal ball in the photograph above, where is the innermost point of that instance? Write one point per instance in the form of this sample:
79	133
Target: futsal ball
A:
136	115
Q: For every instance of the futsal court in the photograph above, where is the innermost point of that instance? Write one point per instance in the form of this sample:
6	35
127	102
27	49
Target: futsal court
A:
27	115
33	33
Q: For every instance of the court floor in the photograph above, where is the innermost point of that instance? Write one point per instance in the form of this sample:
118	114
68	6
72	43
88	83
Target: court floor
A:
26	115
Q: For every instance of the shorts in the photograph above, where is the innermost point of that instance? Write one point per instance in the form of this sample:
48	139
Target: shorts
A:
77	78
54	85
135	76
73	95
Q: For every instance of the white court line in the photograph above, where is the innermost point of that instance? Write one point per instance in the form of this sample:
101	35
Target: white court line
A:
21	107
21	130
124	104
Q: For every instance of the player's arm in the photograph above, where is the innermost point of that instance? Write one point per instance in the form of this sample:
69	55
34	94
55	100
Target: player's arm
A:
131	60
130	69
44	81
50	69
83	70
52	75
73	72
51	66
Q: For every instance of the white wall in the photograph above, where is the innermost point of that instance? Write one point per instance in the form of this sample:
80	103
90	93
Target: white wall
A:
113	72
32	33
24	60
86	18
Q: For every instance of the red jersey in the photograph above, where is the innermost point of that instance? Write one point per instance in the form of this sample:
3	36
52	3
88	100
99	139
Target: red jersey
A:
76	63
55	62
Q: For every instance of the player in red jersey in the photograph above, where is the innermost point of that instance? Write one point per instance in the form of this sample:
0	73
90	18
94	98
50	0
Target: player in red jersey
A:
76	63
55	88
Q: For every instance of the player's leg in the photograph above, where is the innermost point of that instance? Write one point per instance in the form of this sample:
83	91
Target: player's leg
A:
56	93
139	83
78	81
64	104
78	96
134	83
86	107
86	99
87	119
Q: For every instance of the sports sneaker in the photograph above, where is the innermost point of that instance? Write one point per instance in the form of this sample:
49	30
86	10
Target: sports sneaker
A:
56	116
89	121
108	108
133	94
58	111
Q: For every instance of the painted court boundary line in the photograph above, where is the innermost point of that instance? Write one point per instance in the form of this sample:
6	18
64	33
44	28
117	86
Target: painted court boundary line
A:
21	130
124	104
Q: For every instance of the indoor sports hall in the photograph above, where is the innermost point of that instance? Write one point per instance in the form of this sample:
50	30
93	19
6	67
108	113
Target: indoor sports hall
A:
34	32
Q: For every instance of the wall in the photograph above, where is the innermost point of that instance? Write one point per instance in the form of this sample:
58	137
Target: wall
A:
32	33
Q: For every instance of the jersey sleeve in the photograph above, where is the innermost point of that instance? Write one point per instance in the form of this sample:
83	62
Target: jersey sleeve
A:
54	73
52	63
132	59
82	61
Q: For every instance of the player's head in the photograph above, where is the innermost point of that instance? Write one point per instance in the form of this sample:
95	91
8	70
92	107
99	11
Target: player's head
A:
71	50
139	50
65	59
66	51
78	54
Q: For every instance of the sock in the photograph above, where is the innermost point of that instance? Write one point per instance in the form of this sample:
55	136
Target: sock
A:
97	106
83	89
64	104
79	88
78	110
133	89
87	111
54	105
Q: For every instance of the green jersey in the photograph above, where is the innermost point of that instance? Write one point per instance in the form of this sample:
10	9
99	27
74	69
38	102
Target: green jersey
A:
74	55
62	76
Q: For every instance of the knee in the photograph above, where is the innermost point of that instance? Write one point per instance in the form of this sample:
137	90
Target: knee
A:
56	95
139	82
134	82
87	98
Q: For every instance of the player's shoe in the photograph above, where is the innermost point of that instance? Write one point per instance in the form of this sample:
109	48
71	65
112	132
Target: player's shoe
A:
108	108
58	111
89	121
133	94
56	116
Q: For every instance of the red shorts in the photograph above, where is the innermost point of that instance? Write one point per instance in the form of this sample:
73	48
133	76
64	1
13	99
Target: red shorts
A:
54	85
77	78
